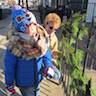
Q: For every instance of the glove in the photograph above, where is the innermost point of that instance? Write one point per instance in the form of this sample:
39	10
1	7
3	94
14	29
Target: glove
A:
57	73
44	72
48	72
10	90
52	72
55	55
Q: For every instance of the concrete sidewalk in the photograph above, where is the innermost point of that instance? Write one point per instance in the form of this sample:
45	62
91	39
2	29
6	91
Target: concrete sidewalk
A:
4	23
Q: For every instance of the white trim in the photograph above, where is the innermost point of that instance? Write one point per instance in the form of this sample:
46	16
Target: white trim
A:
90	10
92	1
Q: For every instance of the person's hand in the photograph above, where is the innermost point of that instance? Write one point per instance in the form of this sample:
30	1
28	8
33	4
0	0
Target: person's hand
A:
44	72
48	72
10	90
55	55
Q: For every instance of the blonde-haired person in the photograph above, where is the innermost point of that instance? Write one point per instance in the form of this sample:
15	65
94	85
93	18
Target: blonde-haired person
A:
52	22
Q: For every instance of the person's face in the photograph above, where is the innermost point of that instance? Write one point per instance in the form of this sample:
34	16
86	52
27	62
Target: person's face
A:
49	27
31	29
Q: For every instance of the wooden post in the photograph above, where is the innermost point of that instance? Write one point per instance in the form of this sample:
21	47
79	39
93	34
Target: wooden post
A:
22	3
86	54
19	2
57	4
27	4
93	60
88	86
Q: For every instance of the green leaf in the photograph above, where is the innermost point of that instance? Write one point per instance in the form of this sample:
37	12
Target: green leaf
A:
74	59
93	91
83	33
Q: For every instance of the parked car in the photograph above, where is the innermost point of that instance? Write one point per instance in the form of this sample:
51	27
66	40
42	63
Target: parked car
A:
5	6
4	10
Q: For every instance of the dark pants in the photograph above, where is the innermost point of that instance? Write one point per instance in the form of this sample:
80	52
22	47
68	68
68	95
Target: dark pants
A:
30	91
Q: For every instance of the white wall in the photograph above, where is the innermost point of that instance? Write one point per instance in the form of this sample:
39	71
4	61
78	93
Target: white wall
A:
91	1
91	10
47	2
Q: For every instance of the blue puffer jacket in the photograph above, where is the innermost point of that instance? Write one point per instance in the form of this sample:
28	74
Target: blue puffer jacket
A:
26	73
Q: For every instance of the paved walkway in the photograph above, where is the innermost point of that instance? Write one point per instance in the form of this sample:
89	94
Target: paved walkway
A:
47	88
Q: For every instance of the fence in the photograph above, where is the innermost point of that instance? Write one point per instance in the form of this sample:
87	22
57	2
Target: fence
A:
89	65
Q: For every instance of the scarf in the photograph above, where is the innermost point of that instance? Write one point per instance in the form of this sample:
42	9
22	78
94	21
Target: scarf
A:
25	47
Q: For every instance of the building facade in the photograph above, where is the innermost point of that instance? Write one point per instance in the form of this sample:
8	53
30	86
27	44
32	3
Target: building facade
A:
91	11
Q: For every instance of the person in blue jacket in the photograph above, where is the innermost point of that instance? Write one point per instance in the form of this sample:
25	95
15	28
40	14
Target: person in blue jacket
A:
27	54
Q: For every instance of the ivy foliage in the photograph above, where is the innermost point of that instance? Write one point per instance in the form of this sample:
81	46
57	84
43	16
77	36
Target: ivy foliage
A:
93	91
73	30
